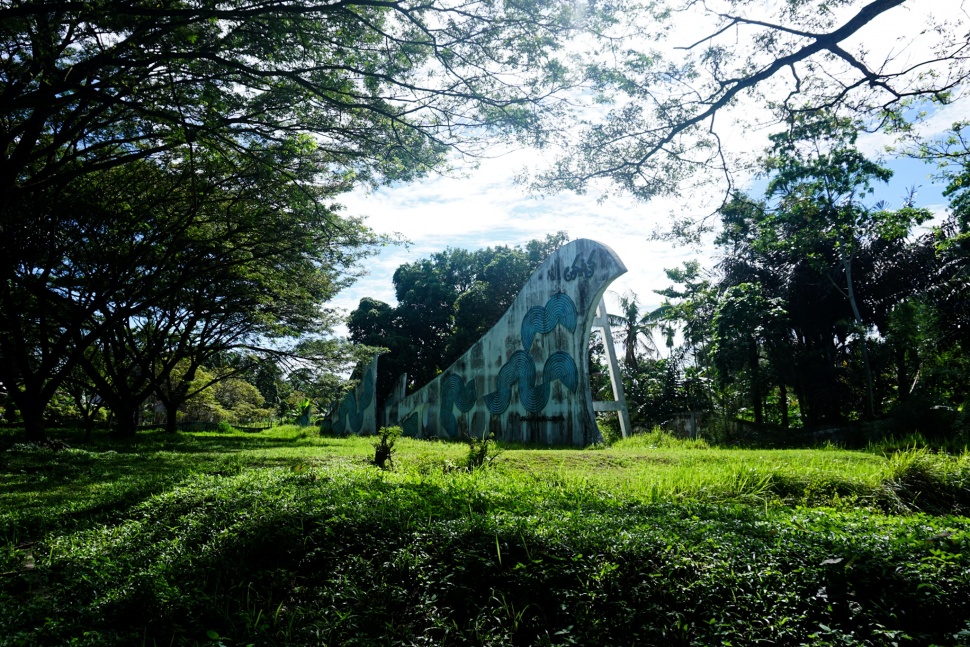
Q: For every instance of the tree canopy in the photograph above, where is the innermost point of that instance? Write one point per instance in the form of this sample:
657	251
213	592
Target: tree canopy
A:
168	169
825	309
385	87
145	265
445	304
667	91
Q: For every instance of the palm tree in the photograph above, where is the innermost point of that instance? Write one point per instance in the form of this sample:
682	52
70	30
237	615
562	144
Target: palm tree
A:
634	330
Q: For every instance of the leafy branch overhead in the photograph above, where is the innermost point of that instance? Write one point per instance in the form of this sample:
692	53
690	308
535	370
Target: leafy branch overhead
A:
667	113
168	169
386	87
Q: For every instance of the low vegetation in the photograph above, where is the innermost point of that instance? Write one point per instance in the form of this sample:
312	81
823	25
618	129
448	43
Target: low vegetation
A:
284	537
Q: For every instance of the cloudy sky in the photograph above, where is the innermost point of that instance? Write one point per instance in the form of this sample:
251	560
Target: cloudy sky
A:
484	206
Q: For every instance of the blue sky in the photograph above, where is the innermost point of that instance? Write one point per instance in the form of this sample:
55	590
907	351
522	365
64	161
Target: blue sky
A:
484	206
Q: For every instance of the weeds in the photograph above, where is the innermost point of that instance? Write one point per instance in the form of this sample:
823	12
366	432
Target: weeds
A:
481	451
271	557
384	447
287	538
921	481
659	439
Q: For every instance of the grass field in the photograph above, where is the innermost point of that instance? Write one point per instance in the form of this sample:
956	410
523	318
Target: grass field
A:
284	537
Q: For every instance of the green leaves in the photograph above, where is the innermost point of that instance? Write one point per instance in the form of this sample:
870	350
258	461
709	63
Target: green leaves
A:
445	304
277	538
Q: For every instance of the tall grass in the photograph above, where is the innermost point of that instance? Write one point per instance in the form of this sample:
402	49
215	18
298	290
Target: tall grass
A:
285	537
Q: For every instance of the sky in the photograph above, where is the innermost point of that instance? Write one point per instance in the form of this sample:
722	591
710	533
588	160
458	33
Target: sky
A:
484	206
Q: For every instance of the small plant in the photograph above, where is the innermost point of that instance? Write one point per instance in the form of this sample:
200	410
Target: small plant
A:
226	428
609	430
384	447
481	452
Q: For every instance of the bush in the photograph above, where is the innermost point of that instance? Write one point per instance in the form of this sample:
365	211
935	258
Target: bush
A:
660	438
226	428
384	447
481	452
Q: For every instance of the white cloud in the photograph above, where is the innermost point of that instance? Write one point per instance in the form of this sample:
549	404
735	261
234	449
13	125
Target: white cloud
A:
488	208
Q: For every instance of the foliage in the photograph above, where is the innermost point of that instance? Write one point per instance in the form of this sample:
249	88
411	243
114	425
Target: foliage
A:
168	170
661	389
674	96
946	307
171	263
481	451
636	330
819	180
384	447
445	304
385	89
819	310
225	428
285	538
658	438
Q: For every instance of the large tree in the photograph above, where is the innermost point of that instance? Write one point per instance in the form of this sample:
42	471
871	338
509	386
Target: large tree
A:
445	303
832	268
110	113
385	86
157	262
820	181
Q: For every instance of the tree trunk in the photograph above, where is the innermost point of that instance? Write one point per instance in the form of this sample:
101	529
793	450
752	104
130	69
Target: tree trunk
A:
783	397
172	399
126	421
171	418
902	376
756	400
32	411
850	292
34	429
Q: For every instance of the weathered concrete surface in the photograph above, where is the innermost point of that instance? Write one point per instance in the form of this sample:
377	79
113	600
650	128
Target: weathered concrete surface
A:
527	378
356	413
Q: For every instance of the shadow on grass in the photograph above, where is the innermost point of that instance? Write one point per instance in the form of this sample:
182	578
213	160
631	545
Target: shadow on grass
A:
283	558
89	482
159	440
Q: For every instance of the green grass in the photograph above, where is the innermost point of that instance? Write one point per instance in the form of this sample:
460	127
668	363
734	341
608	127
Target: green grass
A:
284	537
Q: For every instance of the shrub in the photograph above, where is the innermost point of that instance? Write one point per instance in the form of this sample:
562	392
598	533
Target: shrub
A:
384	447
481	452
226	428
660	438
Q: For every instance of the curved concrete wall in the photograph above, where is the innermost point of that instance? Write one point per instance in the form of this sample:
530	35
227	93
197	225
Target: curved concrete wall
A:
527	379
356	413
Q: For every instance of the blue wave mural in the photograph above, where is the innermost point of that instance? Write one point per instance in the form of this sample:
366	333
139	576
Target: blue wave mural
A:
506	382
411	425
520	371
559	310
350	414
455	392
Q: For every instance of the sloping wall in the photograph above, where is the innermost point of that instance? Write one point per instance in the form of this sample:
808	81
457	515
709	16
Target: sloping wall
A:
356	413
527	378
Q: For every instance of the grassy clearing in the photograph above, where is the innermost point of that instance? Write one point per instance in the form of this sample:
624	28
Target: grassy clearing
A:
283	537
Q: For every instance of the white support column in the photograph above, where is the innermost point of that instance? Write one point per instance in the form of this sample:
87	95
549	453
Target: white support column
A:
616	379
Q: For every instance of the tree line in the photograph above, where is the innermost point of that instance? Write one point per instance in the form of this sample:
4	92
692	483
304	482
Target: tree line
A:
823	309
170	172
445	303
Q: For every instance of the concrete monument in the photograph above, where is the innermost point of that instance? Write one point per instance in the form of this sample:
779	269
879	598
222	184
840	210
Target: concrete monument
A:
356	412
527	378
